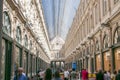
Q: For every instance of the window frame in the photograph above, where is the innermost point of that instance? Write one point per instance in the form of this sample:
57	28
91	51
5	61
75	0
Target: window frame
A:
18	30
8	29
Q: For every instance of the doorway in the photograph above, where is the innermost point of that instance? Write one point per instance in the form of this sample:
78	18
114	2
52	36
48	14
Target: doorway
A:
6	60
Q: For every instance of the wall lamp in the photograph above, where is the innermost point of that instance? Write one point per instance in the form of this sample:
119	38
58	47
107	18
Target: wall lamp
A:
74	51
90	37
105	25
78	48
82	44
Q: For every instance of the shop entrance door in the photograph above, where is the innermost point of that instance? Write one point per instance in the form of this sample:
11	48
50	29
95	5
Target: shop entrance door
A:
6	59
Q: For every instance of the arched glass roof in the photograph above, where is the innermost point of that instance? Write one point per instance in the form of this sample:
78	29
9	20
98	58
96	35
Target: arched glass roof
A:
58	16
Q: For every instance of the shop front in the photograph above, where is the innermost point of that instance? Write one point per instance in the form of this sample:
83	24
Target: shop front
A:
18	58
117	48
25	62
6	59
98	62
92	65
117	58
107	61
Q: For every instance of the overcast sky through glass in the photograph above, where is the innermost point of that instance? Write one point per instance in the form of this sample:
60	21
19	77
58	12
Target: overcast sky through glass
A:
59	15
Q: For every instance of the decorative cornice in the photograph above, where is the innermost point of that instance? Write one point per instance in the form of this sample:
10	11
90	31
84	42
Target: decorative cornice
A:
20	15
15	7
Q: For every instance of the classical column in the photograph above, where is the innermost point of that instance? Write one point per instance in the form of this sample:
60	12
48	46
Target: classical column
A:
60	64
1	10
55	64
108	25
112	65
63	64
40	63
100	49
13	59
31	61
22	57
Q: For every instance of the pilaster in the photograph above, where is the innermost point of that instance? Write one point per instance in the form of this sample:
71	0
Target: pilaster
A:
1	15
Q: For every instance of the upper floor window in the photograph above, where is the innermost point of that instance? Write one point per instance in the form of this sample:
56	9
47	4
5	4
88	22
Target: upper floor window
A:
117	36
91	22
104	7
115	1
105	41
18	34
92	48
26	41
97	45
88	50
97	13
30	45
6	24
83	53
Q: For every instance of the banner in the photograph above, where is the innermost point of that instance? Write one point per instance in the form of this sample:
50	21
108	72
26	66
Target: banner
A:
74	65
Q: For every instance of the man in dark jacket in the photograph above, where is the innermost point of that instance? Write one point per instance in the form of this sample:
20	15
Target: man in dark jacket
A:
100	75
118	75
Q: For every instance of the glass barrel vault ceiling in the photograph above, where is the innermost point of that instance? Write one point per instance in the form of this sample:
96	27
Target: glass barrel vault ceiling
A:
59	15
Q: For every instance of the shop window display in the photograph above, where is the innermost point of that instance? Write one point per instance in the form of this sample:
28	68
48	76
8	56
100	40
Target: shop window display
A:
117	59
98	62
107	61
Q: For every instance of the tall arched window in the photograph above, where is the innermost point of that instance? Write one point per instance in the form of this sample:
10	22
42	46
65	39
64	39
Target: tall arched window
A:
104	7
97	45
87	50
117	35
116	1
6	23
92	48
83	53
105	41
18	34
26	41
30	45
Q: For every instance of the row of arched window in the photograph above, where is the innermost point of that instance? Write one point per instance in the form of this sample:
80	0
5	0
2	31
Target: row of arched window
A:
7	30
105	42
106	39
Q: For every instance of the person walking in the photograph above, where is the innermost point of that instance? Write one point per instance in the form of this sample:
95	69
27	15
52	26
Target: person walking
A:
106	76
84	74
118	76
113	75
66	75
41	74
57	75
109	75
73	74
20	75
48	74
100	75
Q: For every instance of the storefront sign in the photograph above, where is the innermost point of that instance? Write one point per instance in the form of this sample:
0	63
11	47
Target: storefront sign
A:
74	66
